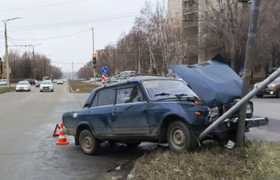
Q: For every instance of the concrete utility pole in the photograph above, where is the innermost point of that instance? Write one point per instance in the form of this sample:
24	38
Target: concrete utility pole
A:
93	51
6	50
33	59
72	71
250	52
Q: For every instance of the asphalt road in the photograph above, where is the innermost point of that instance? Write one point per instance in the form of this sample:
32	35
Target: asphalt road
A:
28	150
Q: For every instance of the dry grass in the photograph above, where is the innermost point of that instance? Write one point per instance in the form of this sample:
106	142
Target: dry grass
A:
82	87
5	89
255	161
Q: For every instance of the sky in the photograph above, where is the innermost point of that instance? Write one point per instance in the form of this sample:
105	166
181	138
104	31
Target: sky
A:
62	29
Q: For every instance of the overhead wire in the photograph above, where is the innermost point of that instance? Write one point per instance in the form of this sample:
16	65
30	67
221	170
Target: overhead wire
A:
73	23
42	6
56	37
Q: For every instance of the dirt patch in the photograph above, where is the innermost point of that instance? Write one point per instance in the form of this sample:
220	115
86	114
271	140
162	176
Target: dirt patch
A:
82	87
5	89
255	161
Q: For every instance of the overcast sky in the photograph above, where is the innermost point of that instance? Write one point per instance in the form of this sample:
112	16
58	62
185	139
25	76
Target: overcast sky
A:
49	22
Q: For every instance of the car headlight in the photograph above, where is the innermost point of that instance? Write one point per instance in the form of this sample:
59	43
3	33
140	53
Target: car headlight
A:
271	85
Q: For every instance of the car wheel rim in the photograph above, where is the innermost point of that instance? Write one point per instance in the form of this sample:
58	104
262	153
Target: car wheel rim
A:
178	138
87	142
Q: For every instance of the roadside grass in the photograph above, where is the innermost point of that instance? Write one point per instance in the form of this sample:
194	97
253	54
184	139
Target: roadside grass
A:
254	161
82	87
5	89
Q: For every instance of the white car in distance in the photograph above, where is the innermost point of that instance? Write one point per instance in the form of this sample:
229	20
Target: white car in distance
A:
60	81
23	86
46	86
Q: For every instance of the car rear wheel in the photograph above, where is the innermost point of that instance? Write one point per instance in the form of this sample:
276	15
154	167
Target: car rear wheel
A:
259	95
89	144
180	137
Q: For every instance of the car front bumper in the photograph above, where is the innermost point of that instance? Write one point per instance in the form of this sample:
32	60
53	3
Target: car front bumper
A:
44	89
250	122
268	91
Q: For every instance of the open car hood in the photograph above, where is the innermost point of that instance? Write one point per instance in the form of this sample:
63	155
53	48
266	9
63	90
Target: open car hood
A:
213	81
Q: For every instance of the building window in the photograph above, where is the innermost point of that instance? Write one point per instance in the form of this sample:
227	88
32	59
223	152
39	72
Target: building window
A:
219	2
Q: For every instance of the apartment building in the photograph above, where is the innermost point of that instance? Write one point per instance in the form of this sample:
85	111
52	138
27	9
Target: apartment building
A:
192	15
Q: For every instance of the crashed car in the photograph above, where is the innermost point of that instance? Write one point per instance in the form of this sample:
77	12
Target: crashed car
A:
162	110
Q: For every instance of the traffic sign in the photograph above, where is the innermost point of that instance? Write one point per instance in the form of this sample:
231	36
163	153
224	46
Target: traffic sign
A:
104	69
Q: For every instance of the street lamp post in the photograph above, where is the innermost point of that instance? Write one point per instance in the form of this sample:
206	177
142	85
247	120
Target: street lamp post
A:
6	50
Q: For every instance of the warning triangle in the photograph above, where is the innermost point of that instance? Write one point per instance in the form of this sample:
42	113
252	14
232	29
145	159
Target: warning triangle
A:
56	130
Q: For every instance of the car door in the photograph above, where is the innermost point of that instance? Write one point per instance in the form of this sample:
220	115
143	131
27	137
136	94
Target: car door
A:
100	112
129	115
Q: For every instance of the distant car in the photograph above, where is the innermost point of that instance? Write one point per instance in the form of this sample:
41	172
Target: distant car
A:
272	89
3	82
55	81
46	86
59	82
64	80
38	83
23	86
31	81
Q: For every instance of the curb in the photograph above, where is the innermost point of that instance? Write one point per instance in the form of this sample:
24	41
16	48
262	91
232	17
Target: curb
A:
70	88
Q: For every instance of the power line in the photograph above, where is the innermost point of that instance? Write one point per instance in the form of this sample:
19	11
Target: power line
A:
67	63
73	23
67	24
42	6
57	37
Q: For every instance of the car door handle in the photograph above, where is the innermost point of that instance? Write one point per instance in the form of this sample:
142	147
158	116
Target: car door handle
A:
89	111
115	109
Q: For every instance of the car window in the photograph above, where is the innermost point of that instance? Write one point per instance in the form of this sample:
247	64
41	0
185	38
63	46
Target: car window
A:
169	88
106	97
95	101
129	95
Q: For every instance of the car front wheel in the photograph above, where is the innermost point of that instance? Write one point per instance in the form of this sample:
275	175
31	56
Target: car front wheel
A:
89	144
278	93
179	137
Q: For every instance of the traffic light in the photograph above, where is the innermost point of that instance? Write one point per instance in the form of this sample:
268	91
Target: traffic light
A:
94	60
1	67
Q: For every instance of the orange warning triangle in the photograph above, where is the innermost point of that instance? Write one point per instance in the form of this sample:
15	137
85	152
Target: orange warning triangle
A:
56	130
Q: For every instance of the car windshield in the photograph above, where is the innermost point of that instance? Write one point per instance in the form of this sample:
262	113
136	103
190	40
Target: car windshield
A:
23	83
46	82
159	89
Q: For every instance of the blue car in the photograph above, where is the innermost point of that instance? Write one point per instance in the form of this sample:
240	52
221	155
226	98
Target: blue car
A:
161	110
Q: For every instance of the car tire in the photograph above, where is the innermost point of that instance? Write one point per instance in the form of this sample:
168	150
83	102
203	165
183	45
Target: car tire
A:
181	130
41	91
133	144
89	144
259	95
278	93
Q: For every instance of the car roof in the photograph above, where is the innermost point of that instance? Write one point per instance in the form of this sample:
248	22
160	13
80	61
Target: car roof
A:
138	79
